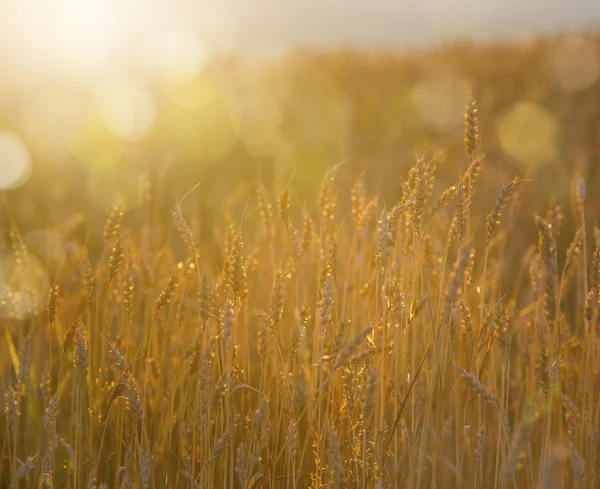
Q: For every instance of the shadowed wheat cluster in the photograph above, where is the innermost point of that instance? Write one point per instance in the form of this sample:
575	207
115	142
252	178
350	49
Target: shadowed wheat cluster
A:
308	347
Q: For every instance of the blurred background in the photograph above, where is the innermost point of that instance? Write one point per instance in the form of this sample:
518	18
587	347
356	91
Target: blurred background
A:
101	99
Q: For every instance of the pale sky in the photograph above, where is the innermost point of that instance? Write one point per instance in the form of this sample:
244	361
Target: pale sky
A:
44	37
400	23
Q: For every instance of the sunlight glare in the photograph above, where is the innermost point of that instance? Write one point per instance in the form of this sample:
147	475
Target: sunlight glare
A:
88	30
15	162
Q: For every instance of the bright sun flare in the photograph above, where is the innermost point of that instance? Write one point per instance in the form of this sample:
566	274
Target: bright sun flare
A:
88	30
87	37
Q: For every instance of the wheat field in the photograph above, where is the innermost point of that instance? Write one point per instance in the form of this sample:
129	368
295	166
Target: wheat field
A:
442	336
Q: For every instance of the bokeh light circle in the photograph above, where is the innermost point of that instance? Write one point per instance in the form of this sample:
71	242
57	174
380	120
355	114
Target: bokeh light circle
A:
15	162
529	133
127	110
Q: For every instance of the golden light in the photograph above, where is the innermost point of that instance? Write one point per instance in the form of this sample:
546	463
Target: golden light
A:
94	146
179	55
127	110
256	121
48	121
23	287
205	118
195	95
440	103
49	245
112	185
15	162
